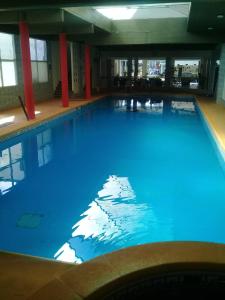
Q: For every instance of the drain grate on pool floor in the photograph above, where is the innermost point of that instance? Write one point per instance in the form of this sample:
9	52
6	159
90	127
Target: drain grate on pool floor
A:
29	220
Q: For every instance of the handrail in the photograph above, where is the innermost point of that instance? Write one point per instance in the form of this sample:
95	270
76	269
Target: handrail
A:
23	107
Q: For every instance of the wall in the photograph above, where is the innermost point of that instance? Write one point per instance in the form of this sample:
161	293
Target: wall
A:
42	91
221	79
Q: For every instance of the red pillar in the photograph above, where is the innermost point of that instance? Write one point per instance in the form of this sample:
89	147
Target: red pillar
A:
26	67
64	69
87	67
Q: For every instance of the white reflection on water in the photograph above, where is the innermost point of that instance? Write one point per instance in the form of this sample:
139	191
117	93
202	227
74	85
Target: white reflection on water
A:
66	253
112	218
151	106
183	106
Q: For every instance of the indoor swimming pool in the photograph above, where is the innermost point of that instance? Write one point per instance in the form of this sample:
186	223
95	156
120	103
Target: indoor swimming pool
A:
119	172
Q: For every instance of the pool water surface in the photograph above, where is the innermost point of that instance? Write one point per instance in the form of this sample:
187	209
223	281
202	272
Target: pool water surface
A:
117	173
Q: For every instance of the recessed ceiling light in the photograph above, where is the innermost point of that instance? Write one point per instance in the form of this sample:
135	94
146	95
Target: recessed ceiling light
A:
220	16
210	28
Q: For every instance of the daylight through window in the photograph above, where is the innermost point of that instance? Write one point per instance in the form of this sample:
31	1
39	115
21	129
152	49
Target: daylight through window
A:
39	65
7	60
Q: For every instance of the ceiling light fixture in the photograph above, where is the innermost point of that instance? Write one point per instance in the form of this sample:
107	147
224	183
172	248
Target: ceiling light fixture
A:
210	28
220	16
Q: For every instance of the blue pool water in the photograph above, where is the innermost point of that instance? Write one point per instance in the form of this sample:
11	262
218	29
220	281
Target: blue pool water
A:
117	173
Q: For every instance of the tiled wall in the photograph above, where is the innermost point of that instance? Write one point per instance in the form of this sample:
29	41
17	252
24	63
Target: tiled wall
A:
42	91
221	79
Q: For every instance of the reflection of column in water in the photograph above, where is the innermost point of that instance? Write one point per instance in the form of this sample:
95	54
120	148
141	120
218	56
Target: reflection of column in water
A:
30	149
143	103
131	105
74	136
166	107
68	135
128	104
134	105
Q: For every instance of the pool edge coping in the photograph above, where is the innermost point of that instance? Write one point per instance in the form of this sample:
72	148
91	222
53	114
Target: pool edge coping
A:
95	278
211	131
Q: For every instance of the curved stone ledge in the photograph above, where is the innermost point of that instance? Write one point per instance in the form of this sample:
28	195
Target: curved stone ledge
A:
25	277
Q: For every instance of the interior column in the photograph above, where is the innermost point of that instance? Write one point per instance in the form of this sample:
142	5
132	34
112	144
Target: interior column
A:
64	69
169	71
26	67
87	68
136	68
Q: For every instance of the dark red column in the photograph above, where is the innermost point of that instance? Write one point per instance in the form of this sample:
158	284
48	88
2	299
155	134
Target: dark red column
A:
64	69
26	67
87	68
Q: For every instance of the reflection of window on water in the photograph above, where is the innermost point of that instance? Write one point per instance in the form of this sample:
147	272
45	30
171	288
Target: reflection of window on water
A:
182	106
44	140
11	167
151	106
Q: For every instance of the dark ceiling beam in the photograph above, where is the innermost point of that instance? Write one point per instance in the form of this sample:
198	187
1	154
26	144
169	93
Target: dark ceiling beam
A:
56	29
49	29
32	16
45	22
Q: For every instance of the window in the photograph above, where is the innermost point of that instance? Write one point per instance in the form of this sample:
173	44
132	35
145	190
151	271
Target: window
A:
152	68
7	60
186	73
39	64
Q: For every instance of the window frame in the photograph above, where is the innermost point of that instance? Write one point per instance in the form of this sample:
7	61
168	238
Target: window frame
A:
36	61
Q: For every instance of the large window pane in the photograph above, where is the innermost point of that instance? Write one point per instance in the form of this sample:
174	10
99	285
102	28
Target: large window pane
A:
186	73
42	71
34	71
33	50
39	60
8	72
41	50
6	46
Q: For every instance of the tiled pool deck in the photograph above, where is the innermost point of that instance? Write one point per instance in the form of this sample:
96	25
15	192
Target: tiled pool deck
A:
24	277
